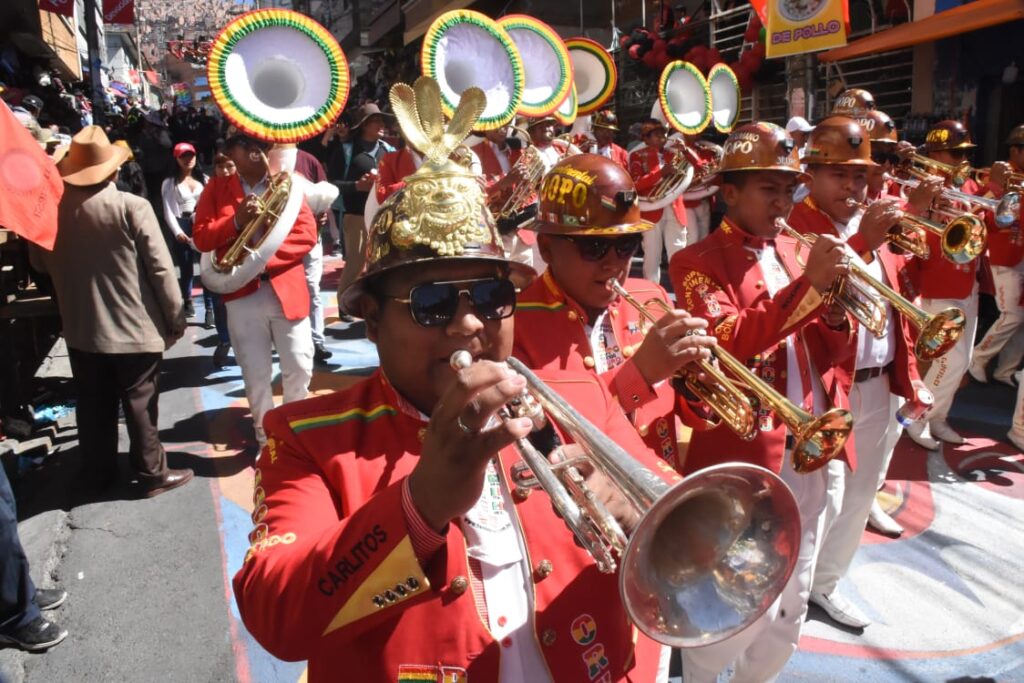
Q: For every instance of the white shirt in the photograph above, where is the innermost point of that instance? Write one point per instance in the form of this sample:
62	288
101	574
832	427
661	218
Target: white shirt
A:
872	352
179	198
550	156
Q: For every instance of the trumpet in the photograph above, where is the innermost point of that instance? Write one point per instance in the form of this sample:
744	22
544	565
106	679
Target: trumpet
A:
919	166
936	334
1014	181
708	555
816	439
1005	210
963	239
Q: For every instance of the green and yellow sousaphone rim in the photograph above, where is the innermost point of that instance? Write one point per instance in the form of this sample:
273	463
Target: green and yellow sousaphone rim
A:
611	73
523	22
565	114
670	116
428	59
291	131
722	70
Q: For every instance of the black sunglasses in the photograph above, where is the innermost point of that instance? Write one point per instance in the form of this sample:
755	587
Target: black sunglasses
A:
595	248
434	304
883	157
957	153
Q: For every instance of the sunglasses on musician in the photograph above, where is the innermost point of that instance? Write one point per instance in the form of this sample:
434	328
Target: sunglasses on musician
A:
885	158
596	248
434	304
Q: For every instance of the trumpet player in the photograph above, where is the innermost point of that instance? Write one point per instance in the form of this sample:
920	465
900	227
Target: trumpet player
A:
767	309
389	541
839	159
589	227
271	311
1004	340
646	165
942	284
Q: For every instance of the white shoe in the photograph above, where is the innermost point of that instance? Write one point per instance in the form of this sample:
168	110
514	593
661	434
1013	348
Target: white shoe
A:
880	521
918	432
1016	439
840	609
978	373
943	432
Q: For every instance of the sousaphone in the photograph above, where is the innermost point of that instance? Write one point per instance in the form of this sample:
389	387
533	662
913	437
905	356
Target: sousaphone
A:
725	97
594	74
464	49
567	110
546	63
280	77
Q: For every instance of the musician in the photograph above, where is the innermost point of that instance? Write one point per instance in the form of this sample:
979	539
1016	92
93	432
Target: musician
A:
394	167
839	159
697	200
767	310
1005	338
943	284
271	311
605	126
589	227
646	165
388	540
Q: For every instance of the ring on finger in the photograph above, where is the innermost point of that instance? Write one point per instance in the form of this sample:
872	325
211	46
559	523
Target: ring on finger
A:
463	427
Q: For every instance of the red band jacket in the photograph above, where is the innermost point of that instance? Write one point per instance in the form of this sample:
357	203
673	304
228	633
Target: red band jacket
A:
720	280
811	220
618	155
332	575
1005	245
645	167
551	334
214	230
393	169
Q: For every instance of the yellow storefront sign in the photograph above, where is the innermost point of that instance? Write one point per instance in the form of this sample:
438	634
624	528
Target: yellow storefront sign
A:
798	26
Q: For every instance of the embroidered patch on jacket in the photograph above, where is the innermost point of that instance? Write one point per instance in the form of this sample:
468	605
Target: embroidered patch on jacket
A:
584	629
418	673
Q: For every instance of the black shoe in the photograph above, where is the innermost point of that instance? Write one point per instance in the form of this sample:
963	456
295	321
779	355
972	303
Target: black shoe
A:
220	355
346	318
190	310
208	322
320	354
39	634
50	598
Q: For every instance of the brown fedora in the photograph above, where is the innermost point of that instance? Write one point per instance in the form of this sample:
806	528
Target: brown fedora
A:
90	159
366	111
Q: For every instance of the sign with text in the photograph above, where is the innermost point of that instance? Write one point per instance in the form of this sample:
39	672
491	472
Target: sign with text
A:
799	26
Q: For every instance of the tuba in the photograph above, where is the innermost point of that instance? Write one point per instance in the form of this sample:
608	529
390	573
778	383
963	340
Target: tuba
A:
708	556
548	72
280	77
531	167
816	439
594	74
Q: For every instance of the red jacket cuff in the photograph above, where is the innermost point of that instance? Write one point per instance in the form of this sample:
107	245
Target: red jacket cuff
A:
630	388
425	541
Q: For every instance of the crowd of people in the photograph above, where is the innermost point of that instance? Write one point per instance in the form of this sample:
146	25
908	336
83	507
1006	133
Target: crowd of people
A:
400	496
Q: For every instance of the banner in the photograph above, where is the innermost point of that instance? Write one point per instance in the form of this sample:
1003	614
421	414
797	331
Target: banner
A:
30	186
798	26
118	11
63	7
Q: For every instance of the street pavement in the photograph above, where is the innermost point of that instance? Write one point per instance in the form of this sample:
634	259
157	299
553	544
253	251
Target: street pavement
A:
149	580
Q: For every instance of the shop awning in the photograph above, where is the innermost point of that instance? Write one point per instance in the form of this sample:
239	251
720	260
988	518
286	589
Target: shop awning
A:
963	19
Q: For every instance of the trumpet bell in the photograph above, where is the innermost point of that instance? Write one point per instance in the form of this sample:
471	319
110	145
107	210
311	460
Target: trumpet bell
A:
546	62
940	334
464	49
964	239
821	439
278	75
711	555
684	98
725	97
594	73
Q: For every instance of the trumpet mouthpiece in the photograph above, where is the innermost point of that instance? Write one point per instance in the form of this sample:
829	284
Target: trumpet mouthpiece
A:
460	360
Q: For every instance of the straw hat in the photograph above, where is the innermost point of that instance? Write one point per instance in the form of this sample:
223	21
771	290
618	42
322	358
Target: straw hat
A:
90	159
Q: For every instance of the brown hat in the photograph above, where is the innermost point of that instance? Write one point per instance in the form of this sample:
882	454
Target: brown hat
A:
879	127
853	102
1016	136
366	111
588	194
760	146
531	122
648	127
948	135
605	118
838	140
90	159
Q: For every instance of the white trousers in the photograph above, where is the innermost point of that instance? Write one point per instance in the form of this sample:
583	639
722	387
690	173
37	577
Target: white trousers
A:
313	263
1006	327
762	650
944	375
698	222
257	324
666	232
874	418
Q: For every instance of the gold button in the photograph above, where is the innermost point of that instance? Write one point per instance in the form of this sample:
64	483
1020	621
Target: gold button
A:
627	351
543	569
642	430
759	284
782	374
782	344
573	316
615	313
589	361
459	585
750	257
548	637
422	434
520	493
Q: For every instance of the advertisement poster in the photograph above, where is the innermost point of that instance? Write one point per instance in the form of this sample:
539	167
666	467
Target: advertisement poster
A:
799	26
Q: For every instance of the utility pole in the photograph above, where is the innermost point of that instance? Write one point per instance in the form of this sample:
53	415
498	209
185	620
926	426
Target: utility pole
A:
92	39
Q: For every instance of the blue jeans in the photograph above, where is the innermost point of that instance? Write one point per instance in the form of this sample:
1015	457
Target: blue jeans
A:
186	266
17	592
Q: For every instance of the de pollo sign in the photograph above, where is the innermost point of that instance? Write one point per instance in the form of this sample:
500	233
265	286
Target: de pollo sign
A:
799	26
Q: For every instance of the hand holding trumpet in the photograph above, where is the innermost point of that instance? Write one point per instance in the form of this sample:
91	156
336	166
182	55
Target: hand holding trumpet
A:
826	261
676	340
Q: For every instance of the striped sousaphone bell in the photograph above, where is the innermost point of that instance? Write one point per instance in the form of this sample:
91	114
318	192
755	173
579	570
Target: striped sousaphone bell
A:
280	77
594	74
463	49
546	63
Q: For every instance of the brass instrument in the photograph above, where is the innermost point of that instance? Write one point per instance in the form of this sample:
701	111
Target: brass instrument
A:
936	334
255	232
962	239
919	166
531	166
1014	180
707	556
1005	210
816	439
688	168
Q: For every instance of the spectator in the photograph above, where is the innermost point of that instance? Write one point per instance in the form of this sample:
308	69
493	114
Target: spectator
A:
130	177
180	192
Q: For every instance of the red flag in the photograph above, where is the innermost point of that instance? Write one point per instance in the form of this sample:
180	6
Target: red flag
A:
761	7
65	7
30	186
119	11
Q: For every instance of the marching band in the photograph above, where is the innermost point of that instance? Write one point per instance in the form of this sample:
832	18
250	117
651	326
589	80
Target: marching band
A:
398	534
